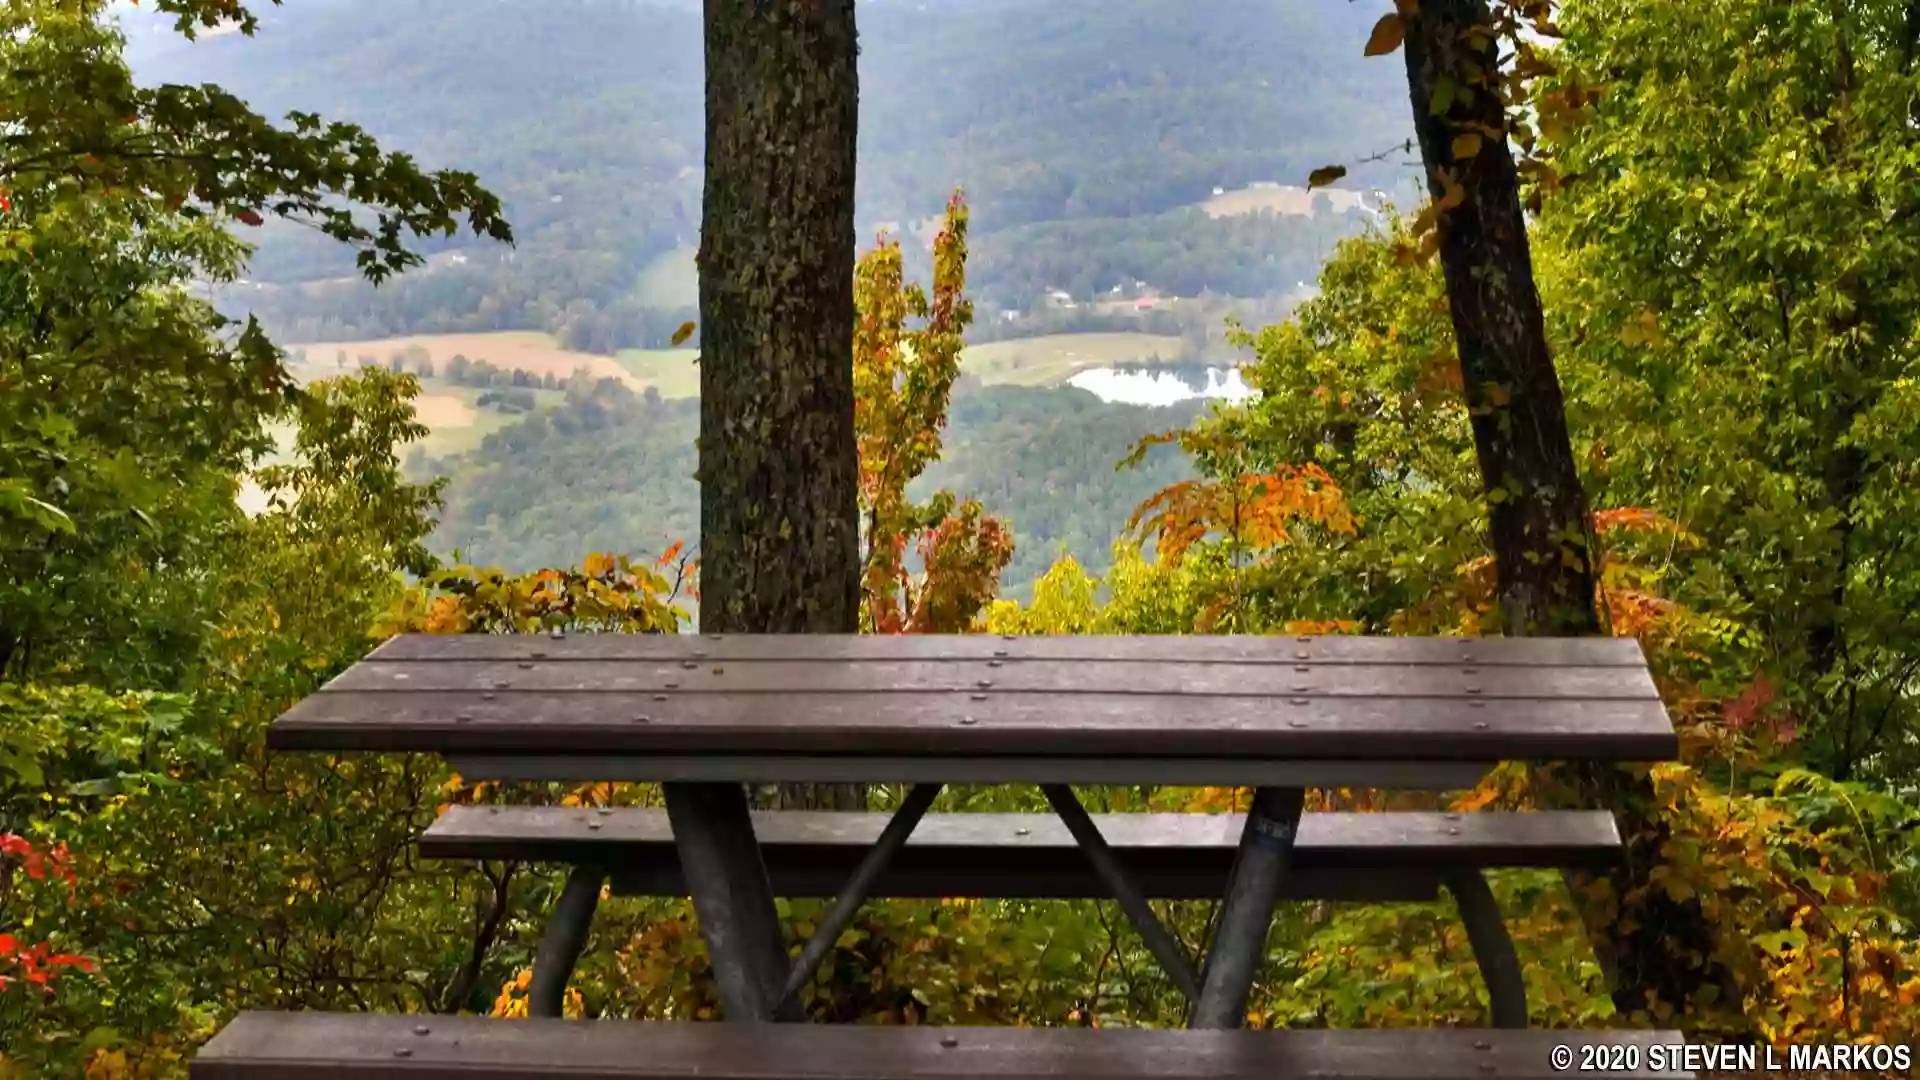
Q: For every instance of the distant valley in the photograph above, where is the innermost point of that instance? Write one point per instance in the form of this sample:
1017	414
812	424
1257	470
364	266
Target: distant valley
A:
1133	170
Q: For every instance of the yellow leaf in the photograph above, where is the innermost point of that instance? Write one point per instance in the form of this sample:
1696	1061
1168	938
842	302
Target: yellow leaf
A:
1465	146
1387	35
1643	329
681	335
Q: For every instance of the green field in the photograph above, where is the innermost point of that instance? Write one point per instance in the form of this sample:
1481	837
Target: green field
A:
1055	358
671	281
670	371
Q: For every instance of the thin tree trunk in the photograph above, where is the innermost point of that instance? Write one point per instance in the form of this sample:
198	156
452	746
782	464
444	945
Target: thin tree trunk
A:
779	518
1659	951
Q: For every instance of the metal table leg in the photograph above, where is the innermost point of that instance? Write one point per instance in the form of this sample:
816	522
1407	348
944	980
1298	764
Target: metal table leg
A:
713	834
1492	948
1106	866
854	893
1266	851
563	940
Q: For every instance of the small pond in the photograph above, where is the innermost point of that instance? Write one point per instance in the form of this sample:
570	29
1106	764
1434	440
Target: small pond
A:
1163	385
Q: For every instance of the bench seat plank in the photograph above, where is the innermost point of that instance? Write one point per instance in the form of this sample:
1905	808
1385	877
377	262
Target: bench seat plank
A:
1013	726
1164	648
312	1046
1396	856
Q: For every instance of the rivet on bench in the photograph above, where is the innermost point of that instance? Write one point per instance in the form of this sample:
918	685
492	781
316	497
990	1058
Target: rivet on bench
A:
421	1029
659	697
1451	817
718	670
1453	832
1296	723
605	811
949	1041
1479	725
1482	1044
699	654
539	654
463	718
978	697
401	675
526	665
984	683
557	634
1301	655
689	664
993	663
1301	668
673	684
1470	671
488	696
642	718
1301	688
597	824
999	652
1473	689
401	1051
1023	832
969	719
1476	704
1298	701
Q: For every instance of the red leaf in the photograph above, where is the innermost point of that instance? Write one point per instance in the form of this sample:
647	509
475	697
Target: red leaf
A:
248	216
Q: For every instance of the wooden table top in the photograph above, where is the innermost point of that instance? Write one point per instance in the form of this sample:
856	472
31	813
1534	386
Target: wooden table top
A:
960	707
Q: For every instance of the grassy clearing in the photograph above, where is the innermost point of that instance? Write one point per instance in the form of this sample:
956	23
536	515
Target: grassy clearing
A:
523	349
670	371
671	281
1280	199
1055	358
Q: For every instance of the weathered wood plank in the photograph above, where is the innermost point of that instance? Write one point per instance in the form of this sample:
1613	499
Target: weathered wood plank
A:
1380	857
981	723
961	769
1028	677
1271	649
322	1046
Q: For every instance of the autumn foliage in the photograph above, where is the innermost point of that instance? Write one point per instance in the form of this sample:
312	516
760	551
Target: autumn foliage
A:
903	381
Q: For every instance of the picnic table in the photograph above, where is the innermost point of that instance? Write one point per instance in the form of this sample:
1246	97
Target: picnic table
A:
705	715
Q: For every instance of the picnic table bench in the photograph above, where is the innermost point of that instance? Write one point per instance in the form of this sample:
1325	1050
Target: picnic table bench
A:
704	715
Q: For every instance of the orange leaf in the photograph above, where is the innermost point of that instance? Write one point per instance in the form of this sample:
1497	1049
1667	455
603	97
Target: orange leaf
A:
1387	35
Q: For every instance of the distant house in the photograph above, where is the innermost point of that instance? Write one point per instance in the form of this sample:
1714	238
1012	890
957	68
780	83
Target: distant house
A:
1008	314
1059	298
1219	191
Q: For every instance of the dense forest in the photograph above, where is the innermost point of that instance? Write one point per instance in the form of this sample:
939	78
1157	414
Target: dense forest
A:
1698	222
586	118
537	491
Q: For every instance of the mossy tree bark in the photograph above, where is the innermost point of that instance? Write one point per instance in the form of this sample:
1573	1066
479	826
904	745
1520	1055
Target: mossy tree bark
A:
1660	951
779	520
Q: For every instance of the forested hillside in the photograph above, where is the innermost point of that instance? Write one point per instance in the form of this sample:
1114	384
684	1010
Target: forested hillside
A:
1043	459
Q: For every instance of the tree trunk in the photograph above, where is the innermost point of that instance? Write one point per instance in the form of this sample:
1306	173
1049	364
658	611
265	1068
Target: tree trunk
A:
1659	951
779	520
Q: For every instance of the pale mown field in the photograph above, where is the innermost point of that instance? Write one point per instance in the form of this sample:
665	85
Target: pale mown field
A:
524	349
1280	200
